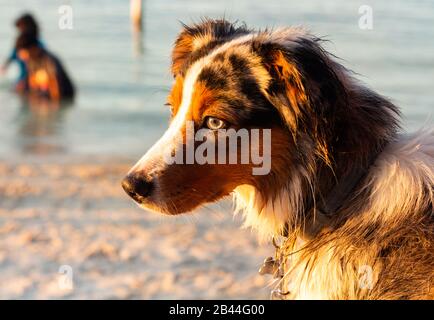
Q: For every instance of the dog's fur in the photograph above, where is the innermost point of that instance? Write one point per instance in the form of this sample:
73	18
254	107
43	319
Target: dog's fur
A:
325	126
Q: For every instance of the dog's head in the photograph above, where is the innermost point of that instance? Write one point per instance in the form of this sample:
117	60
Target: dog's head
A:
229	77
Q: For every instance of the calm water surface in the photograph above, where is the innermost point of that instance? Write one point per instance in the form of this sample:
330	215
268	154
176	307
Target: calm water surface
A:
123	79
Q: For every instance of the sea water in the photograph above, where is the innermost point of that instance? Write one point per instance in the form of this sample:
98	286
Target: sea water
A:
123	77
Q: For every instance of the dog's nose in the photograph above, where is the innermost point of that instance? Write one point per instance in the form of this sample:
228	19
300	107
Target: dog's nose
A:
137	186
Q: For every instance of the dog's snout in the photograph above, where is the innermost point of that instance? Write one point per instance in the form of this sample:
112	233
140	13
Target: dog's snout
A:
137	186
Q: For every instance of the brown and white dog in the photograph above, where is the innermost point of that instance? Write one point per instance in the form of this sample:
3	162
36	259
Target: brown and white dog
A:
345	188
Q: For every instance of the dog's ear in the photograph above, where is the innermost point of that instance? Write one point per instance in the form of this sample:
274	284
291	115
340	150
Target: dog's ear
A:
286	90
305	83
196	40
305	87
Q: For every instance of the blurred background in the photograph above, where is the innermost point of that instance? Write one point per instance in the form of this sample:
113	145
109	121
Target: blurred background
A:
60	200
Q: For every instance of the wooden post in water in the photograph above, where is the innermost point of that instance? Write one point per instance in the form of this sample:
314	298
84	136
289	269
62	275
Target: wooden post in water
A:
136	13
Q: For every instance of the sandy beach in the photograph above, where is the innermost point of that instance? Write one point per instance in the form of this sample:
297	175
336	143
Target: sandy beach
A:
74	213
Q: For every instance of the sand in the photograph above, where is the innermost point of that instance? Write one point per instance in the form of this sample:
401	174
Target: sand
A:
73	216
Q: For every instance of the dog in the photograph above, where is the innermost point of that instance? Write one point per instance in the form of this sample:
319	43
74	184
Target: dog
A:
349	193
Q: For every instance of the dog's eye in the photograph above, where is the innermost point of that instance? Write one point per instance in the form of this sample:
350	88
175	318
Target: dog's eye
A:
214	123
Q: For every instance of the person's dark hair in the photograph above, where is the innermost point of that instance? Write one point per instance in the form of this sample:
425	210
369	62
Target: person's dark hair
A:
28	24
26	41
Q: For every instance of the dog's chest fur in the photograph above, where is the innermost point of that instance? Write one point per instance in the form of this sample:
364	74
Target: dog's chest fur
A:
381	250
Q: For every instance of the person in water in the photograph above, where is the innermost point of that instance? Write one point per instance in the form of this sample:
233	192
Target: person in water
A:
46	76
24	24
